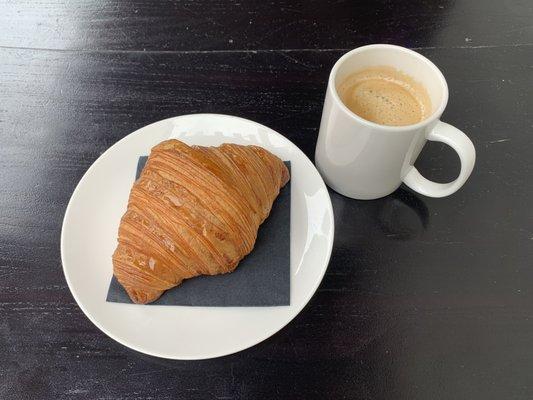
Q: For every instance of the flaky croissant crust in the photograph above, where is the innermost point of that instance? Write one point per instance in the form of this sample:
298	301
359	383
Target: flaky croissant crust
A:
193	211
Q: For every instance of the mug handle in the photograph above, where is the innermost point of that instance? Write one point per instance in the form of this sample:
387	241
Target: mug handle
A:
457	140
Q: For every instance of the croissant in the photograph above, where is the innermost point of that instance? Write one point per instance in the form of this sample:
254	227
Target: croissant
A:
193	211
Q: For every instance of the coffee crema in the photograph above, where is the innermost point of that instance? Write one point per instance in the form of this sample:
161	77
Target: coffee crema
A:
386	96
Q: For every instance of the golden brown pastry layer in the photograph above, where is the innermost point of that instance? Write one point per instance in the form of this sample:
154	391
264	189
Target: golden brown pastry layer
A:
193	211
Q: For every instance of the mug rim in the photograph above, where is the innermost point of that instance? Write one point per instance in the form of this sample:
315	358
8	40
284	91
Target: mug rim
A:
391	128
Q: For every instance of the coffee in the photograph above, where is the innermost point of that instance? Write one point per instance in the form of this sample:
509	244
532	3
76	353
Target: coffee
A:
386	96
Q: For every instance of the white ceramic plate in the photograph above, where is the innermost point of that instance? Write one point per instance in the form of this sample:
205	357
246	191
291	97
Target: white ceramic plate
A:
90	227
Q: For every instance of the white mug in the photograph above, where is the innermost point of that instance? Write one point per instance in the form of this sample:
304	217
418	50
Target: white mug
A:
365	160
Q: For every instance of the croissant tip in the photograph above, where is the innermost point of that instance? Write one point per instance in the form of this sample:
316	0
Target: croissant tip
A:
143	297
285	175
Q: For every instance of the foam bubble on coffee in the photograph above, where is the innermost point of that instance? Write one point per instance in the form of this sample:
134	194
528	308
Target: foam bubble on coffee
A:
386	96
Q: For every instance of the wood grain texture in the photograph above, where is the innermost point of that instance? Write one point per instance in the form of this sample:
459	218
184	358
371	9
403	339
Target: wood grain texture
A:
196	25
423	298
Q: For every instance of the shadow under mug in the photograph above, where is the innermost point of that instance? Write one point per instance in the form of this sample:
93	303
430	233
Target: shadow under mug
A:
364	160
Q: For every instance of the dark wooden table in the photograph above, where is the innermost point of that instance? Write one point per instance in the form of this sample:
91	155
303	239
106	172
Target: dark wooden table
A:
423	298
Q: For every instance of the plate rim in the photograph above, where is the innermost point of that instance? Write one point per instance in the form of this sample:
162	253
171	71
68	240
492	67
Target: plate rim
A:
256	340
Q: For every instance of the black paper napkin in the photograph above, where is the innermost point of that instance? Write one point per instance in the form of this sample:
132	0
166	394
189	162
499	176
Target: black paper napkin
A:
262	278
